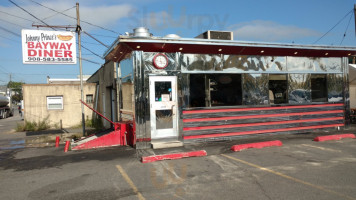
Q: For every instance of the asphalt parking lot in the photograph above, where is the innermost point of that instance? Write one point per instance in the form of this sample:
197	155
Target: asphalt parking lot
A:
300	169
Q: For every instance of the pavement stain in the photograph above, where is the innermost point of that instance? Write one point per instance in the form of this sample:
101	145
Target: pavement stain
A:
8	159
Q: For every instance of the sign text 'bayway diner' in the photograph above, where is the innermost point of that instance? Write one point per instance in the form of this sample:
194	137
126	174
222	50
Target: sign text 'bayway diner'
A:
48	47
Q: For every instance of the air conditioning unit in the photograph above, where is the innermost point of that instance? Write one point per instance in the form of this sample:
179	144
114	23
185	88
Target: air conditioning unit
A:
217	35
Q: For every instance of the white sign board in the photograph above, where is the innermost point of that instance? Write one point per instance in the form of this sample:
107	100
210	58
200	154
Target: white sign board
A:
48	47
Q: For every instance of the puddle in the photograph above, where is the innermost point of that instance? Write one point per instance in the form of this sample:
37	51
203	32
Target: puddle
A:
14	142
12	147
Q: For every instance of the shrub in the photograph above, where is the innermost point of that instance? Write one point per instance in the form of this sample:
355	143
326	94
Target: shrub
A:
33	126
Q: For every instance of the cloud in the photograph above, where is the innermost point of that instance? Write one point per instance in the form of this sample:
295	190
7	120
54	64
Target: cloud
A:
270	31
102	15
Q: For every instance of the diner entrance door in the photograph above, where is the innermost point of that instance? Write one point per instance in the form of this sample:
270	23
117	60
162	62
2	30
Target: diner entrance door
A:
164	107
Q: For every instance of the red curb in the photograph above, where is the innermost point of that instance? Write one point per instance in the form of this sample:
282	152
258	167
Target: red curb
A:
257	145
155	158
333	137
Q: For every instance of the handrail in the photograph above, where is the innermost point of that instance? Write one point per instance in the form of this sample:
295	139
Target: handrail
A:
116	125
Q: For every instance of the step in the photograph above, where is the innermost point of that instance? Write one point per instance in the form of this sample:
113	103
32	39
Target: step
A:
167	144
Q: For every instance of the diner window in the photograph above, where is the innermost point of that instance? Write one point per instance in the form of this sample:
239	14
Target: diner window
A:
319	88
277	88
225	89
55	103
211	90
89	98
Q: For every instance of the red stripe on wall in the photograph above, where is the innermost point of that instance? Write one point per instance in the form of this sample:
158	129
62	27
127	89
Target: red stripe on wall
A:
261	116
263	108
262	124
190	137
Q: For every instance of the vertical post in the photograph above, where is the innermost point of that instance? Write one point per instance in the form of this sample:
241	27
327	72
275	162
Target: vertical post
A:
80	67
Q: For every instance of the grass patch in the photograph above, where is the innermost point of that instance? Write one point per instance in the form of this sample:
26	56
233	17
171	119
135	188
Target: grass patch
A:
33	126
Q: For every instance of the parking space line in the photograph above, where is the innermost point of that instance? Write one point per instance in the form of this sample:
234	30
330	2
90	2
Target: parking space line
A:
289	177
322	148
129	181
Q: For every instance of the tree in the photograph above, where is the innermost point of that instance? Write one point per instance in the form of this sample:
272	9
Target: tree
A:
17	88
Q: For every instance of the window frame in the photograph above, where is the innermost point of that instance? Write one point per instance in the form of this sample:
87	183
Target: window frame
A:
49	98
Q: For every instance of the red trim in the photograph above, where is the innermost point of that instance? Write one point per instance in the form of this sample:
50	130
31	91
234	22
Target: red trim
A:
257	145
155	158
114	138
263	108
262	123
190	137
333	137
261	116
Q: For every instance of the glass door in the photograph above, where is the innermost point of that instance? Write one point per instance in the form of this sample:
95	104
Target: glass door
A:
163	104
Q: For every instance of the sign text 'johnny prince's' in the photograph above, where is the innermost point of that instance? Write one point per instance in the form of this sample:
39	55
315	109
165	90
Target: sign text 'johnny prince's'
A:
48	47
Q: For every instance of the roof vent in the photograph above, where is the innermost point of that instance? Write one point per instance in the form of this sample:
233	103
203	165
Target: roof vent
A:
141	32
172	36
217	35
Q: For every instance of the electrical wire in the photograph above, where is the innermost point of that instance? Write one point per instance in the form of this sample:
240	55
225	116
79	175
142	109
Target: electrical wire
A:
74	17
333	26
12	23
29	13
10	39
16	16
58	13
7	30
347	27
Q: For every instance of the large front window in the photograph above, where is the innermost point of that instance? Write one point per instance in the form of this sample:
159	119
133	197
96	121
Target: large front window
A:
209	90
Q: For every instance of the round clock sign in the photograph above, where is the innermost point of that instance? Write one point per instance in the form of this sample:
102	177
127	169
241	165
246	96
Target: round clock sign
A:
160	61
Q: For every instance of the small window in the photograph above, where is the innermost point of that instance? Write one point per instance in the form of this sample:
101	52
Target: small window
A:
89	98
55	103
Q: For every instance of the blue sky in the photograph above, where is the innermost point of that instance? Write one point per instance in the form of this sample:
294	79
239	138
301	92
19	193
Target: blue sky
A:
280	21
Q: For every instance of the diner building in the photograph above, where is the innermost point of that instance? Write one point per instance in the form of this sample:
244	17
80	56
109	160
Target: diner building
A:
177	90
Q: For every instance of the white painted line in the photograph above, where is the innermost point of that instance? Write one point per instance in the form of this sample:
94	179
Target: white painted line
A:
321	148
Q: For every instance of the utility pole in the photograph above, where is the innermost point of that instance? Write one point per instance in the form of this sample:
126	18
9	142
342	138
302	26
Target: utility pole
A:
79	29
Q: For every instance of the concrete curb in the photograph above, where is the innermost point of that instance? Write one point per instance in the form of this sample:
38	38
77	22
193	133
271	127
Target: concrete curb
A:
257	145
333	137
148	159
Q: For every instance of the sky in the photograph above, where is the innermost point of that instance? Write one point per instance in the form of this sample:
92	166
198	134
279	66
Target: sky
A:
275	21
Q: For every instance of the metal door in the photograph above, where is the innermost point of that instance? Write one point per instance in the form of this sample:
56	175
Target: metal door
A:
163	104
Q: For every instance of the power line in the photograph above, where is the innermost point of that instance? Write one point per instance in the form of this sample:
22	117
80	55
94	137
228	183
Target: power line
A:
58	13
28	13
96	39
12	23
16	16
10	39
333	26
347	27
7	30
73	17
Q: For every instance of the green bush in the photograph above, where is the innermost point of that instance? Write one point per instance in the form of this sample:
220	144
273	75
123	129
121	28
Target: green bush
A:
33	126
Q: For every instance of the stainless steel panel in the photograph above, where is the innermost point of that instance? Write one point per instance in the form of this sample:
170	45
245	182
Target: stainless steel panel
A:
310	65
200	62
237	63
299	88
335	87
148	61
345	66
255	89
141	102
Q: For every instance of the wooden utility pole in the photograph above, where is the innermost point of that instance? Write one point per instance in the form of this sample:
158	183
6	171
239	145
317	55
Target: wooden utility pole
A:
79	29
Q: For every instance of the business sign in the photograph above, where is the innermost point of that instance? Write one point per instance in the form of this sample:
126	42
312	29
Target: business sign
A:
48	47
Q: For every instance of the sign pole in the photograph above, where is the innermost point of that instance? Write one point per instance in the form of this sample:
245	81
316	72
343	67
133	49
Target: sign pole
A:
80	68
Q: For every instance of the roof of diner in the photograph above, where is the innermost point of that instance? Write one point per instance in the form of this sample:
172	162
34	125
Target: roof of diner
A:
124	45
